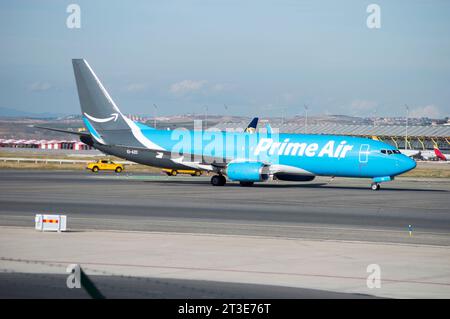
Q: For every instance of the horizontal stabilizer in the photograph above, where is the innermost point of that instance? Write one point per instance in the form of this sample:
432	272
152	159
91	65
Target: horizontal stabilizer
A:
61	130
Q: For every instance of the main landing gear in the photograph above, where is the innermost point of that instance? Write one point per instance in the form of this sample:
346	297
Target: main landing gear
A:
218	180
375	186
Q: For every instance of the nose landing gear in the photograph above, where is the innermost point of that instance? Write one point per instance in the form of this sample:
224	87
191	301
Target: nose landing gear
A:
218	180
380	179
375	186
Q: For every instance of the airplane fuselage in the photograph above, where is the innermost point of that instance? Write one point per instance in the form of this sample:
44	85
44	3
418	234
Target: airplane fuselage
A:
323	155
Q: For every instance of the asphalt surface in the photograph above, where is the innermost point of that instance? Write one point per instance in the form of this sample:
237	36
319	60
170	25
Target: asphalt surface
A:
32	285
340	209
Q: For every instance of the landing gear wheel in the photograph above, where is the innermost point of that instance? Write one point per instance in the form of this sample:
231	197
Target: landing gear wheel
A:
375	186
218	180
246	184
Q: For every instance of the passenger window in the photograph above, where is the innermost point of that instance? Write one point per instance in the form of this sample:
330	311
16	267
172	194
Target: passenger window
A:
383	151
389	152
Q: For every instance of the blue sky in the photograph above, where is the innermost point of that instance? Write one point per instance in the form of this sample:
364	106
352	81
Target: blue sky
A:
257	57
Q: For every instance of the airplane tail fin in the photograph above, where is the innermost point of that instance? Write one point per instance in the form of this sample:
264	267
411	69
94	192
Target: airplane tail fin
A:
99	112
102	117
439	154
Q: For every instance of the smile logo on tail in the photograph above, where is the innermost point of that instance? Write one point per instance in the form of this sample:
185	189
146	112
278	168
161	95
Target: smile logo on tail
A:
113	116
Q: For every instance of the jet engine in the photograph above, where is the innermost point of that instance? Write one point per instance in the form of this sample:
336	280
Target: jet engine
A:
248	171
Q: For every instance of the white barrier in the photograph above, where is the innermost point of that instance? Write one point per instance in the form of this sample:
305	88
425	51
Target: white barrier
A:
51	222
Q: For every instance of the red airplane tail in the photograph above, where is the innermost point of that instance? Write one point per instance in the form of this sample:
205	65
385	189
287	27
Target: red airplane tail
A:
439	154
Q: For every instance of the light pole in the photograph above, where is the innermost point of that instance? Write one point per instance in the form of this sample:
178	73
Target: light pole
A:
206	116
154	115
306	118
406	126
374	118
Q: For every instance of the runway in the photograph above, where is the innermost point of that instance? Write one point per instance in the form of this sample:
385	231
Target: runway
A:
297	240
343	209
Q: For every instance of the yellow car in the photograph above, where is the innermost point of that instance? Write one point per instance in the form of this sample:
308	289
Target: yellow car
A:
105	165
175	172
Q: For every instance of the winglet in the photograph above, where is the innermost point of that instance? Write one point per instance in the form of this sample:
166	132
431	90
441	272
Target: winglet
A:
251	128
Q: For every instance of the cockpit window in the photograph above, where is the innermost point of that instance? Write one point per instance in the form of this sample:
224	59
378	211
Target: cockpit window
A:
390	152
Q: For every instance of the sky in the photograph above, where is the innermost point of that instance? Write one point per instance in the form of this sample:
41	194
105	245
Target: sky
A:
259	58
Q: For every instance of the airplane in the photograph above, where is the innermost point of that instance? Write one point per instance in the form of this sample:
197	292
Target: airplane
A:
412	153
245	157
441	156
434	155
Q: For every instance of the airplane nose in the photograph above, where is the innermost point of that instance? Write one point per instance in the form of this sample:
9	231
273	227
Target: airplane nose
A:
407	164
412	164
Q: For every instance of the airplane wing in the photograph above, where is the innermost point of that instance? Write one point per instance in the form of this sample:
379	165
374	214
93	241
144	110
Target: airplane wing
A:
61	130
207	163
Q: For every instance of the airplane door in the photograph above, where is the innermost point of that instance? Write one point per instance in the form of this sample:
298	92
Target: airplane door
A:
364	153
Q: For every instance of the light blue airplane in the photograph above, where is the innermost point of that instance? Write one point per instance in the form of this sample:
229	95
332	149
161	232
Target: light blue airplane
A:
246	157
